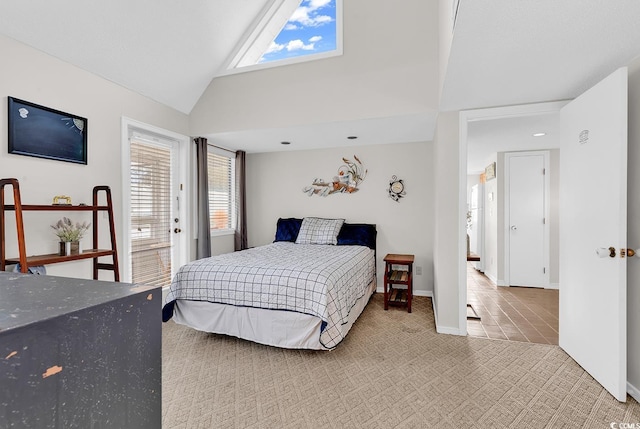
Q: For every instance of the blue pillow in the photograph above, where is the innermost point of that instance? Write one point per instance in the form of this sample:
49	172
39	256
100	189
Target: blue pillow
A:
358	234
287	229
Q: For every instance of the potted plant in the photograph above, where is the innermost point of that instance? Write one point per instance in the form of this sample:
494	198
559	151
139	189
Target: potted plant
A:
70	235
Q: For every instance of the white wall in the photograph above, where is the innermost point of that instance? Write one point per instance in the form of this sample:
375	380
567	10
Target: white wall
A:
446	13
274	190
33	76
389	68
449	248
633	230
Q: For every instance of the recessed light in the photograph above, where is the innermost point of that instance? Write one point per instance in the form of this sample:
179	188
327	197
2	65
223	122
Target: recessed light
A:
285	143
539	134
352	137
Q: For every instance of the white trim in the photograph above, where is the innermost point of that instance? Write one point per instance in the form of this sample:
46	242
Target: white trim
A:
416	292
465	117
553	286
633	391
229	66
129	126
421	292
507	212
446	329
451	330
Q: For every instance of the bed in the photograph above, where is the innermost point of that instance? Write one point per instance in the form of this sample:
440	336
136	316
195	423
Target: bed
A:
303	291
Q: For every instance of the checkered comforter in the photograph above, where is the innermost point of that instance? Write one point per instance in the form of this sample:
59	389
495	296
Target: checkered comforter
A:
320	280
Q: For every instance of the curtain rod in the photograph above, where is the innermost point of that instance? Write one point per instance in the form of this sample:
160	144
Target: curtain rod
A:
218	147
222	148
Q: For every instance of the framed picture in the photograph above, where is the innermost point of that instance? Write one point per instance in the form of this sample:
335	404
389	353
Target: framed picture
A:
490	171
46	133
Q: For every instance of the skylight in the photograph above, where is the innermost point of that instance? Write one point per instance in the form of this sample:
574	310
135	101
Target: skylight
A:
292	31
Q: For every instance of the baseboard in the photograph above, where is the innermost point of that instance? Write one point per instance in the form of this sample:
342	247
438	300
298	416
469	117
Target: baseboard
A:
427	293
444	329
633	391
449	330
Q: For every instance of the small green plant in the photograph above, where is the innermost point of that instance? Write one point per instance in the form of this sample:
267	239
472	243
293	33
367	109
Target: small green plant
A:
67	231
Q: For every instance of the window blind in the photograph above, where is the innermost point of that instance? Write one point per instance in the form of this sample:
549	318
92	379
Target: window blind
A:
221	190
150	213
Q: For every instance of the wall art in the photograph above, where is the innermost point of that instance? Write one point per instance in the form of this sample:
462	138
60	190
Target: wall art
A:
490	171
349	177
43	132
396	188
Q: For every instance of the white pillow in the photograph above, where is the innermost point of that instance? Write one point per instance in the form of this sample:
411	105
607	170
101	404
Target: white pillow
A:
315	230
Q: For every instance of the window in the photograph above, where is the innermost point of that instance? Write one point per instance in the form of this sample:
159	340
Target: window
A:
292	31
222	204
151	241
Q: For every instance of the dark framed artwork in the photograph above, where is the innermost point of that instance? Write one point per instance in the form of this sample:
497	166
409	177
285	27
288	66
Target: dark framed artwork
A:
46	133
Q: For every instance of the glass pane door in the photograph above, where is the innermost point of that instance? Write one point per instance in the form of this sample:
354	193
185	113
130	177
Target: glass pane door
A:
151	197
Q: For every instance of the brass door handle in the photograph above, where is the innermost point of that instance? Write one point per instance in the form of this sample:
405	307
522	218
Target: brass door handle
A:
630	253
603	252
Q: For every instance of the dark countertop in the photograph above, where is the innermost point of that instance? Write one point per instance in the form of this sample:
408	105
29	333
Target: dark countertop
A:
29	298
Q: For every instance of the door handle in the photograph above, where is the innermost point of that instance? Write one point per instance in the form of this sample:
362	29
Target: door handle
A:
177	230
629	252
513	227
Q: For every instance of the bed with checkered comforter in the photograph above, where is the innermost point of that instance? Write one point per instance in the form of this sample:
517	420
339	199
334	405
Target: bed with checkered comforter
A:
319	280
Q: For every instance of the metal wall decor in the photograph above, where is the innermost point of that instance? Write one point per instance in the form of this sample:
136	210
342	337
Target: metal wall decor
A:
396	188
349	177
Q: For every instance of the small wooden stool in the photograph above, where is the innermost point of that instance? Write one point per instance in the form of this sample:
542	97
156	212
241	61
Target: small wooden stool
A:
398	297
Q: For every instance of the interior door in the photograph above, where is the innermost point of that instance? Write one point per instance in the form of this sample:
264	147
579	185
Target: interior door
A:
527	220
593	208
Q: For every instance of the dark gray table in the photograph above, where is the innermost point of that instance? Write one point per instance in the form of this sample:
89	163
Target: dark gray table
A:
79	353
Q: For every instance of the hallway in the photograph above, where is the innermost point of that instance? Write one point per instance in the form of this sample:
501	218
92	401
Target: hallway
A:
511	313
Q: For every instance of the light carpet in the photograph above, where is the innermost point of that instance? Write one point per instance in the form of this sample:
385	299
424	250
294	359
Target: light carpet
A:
392	370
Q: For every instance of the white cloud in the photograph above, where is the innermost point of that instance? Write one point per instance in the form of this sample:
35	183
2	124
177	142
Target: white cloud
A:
307	16
315	39
301	15
274	47
291	26
298	44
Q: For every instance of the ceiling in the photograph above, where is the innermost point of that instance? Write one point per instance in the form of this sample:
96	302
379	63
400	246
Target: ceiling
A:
504	52
487	137
507	52
166	50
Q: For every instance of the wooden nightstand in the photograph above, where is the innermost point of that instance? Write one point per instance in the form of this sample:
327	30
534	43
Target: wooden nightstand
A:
398	296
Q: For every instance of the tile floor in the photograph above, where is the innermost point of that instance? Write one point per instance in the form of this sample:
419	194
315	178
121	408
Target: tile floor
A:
511	313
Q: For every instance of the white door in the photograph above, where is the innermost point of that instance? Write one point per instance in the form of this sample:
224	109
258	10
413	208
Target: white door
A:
593	208
526	220
154	208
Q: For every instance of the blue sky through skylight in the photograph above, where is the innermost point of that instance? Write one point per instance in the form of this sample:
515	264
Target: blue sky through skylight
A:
310	30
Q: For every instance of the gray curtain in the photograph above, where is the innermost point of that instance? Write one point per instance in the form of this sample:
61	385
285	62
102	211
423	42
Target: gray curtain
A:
203	246
241	202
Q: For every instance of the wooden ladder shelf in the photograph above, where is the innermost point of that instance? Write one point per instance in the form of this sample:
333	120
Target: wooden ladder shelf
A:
94	253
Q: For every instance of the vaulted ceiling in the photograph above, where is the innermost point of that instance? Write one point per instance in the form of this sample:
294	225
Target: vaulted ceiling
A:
504	52
166	50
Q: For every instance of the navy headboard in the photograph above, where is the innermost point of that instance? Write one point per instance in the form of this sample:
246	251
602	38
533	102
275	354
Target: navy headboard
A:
354	234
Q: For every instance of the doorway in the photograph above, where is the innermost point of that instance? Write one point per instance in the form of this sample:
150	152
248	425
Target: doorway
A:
155	199
499	138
